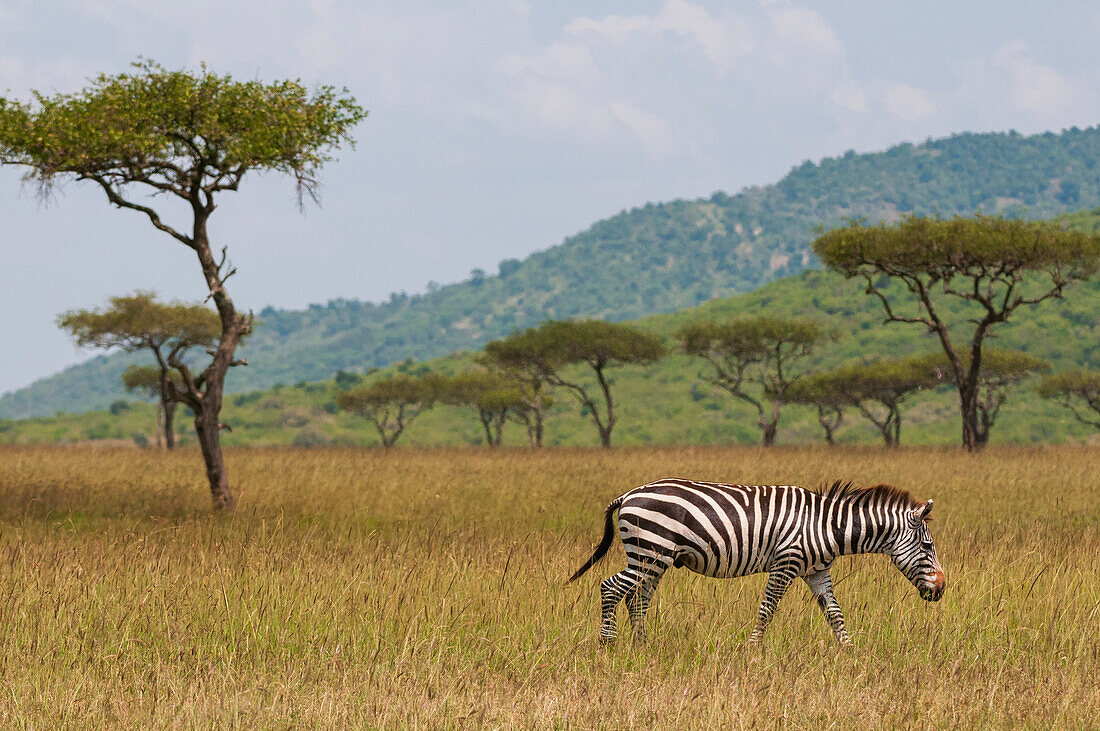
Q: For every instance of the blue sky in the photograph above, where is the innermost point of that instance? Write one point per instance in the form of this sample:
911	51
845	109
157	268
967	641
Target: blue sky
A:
500	127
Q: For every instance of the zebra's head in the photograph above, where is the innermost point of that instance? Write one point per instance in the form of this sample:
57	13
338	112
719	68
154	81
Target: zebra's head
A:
914	554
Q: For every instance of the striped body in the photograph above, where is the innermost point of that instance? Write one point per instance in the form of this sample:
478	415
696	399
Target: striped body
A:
724	531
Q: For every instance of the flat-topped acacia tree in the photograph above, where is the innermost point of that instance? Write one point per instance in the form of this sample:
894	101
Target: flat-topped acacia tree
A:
877	390
140	322
755	359
987	266
190	137
493	395
553	346
391	404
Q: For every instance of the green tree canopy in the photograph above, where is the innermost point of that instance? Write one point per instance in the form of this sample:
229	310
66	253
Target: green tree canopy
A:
993	265
755	359
877	390
136	321
817	391
1068	388
556	344
175	131
491	394
515	361
167	329
190	137
391	404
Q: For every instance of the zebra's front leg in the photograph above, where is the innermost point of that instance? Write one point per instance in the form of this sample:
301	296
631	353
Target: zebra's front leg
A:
779	581
612	591
821	584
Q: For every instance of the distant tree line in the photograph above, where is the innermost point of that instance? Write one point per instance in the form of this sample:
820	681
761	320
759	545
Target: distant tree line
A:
995	266
761	361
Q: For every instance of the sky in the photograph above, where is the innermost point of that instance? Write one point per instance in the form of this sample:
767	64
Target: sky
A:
497	128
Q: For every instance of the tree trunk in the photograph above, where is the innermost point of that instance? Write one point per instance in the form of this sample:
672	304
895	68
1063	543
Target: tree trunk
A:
830	421
234	328
887	431
160	424
891	428
769	426
169	412
209	434
605	436
486	419
968	403
985	425
537	435
605	387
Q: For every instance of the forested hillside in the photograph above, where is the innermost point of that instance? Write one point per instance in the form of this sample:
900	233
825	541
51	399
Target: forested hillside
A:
652	259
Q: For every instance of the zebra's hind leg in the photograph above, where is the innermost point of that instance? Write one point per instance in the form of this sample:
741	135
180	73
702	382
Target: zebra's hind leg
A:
779	580
637	603
612	591
821	584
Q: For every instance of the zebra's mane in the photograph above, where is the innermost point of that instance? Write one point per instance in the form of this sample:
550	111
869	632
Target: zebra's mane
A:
885	493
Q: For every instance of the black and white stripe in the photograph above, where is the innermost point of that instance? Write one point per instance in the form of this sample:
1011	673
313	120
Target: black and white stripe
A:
724	531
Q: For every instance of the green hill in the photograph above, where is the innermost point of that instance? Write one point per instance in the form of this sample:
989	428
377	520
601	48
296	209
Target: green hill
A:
668	403
653	259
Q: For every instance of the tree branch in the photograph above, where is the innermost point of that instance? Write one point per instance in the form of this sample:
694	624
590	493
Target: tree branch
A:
114	197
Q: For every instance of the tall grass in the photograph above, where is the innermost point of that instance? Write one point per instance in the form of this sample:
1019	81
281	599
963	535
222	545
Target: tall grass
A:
426	589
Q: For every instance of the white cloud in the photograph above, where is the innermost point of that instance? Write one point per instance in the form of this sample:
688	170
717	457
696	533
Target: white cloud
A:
720	40
650	129
908	103
805	28
1033	87
556	61
848	95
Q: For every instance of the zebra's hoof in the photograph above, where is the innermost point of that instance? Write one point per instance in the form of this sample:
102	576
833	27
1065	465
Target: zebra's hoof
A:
607	642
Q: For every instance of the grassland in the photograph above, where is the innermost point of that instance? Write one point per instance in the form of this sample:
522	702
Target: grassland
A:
425	589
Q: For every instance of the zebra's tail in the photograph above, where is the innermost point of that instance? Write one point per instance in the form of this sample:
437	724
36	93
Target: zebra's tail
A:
608	538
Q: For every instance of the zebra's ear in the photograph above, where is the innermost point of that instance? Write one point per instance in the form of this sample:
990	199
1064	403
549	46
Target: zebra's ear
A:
923	511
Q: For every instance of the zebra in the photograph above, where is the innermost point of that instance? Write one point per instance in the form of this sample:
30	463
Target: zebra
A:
723	531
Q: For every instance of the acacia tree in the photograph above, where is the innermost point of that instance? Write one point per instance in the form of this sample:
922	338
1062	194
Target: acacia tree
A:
493	396
816	391
153	381
140	322
1001	370
1070	387
755	359
392	404
514	361
990	266
187	137
556	344
877	390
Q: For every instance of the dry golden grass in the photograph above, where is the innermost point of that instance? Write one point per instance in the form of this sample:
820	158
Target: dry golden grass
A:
425	589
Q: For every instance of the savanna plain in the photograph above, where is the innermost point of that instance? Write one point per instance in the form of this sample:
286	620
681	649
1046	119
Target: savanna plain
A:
426	588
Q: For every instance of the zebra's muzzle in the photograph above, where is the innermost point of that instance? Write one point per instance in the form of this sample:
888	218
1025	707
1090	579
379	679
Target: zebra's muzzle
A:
933	592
